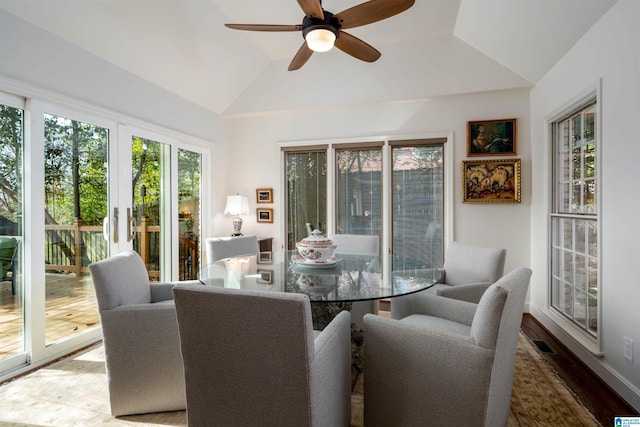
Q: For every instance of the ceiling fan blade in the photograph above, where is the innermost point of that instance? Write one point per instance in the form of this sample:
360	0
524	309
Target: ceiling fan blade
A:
355	47
371	11
302	56
312	8
264	27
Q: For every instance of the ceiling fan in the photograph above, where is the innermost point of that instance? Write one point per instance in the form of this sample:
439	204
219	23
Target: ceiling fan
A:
322	30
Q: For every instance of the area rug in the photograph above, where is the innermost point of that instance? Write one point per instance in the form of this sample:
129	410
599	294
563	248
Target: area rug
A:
539	397
73	392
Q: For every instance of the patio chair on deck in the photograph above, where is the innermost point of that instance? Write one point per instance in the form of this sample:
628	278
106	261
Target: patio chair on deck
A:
8	253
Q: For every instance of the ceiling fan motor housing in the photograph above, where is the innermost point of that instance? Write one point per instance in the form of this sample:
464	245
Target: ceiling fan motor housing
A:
328	23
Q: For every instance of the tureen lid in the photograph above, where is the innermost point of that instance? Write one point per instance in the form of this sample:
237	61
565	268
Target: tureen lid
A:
316	238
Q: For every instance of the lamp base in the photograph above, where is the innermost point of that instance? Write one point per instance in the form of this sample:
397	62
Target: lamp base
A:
237	226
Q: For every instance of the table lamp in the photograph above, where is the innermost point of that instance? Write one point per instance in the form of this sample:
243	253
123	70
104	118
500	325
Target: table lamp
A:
237	205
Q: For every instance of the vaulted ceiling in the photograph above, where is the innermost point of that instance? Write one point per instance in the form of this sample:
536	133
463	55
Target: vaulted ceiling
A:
437	47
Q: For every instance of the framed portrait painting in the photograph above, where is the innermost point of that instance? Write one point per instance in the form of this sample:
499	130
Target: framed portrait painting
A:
491	181
492	138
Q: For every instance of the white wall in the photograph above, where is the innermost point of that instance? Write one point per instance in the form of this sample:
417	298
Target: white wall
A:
36	64
253	144
39	60
610	53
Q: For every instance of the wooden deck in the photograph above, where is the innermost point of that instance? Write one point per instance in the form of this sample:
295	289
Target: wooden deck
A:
70	307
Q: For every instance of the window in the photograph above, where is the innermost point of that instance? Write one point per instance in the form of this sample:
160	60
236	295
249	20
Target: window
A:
306	190
390	189
418	199
574	219
359	190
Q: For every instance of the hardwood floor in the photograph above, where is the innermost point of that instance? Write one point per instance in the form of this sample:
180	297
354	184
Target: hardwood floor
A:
70	310
599	399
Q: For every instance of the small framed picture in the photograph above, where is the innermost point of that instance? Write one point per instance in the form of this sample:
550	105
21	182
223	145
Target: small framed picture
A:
264	195
265	277
492	138
264	214
491	181
265	257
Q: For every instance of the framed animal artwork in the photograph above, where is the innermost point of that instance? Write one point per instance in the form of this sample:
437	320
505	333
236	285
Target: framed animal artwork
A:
491	181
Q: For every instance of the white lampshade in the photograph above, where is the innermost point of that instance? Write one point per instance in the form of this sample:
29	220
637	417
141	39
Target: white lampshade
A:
237	205
320	40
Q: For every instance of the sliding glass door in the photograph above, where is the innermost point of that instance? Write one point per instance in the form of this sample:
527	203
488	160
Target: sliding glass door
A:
359	194
417	199
76	201
12	325
306	183
76	188
391	189
163	224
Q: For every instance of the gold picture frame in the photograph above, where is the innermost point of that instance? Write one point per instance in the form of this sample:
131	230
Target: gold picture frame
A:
491	181
265	257
264	215
265	277
264	195
492	138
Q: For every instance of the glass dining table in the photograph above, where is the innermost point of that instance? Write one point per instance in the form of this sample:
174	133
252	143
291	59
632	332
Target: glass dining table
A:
337	284
331	287
344	279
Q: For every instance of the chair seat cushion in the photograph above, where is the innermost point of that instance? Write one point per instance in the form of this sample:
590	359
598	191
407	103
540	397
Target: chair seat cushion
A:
438	324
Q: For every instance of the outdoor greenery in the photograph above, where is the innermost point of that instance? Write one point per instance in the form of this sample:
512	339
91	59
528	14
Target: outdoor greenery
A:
76	170
11	130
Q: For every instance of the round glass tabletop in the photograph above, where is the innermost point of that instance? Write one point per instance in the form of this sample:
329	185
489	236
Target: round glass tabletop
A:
345	278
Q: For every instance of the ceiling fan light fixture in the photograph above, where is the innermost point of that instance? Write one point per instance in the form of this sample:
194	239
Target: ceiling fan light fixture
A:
320	39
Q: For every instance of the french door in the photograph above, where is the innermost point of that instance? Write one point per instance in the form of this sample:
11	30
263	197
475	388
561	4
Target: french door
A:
92	188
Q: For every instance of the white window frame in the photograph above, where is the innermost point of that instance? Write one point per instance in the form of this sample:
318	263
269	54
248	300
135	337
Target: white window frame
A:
592	342
448	198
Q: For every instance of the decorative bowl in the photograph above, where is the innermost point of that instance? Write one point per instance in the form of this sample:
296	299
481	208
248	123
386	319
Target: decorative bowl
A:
316	248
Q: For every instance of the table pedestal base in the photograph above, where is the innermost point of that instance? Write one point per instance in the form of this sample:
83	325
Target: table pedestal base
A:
323	314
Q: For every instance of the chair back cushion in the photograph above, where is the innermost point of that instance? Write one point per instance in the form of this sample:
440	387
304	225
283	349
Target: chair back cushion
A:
496	326
120	280
246	355
472	264
356	244
225	247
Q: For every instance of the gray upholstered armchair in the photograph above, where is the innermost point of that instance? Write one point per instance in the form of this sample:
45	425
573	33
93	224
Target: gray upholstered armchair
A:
252	358
140	336
452	364
467	272
224	247
357	244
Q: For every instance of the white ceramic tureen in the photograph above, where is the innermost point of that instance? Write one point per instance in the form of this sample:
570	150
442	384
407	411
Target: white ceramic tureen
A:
316	248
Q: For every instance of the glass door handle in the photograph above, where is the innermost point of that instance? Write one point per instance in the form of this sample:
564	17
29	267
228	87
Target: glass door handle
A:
131	226
115	225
